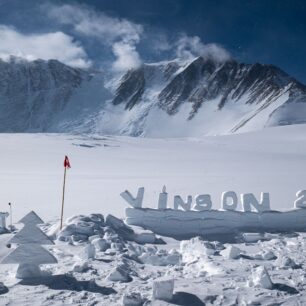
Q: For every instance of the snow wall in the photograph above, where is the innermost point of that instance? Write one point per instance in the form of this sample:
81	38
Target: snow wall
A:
215	224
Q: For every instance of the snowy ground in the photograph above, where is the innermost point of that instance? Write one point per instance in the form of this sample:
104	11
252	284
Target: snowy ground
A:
31	169
271	160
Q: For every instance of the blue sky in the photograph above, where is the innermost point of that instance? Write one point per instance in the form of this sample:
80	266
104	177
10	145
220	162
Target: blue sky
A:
118	34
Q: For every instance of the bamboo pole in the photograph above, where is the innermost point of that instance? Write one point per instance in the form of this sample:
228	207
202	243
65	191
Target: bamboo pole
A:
63	198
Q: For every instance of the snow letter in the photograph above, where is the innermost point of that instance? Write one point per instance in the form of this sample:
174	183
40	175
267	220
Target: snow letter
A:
229	196
162	200
300	202
203	202
249	200
134	202
178	201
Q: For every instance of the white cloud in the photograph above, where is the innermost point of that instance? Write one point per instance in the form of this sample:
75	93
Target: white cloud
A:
90	23
188	47
127	56
121	35
46	46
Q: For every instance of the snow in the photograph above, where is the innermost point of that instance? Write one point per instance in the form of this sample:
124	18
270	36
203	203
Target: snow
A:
261	278
231	252
163	289
31	218
103	167
215	224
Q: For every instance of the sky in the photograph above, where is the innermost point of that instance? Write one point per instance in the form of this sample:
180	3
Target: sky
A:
122	34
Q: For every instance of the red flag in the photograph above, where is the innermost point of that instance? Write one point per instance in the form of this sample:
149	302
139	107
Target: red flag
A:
66	162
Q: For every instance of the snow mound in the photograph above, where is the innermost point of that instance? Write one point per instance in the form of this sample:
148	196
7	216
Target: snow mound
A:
80	229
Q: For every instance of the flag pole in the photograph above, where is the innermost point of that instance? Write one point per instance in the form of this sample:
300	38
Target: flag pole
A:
11	217
63	198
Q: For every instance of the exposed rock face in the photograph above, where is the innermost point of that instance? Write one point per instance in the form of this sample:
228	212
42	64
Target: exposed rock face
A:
200	97
32	93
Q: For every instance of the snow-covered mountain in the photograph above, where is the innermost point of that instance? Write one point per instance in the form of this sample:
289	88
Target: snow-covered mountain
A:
166	99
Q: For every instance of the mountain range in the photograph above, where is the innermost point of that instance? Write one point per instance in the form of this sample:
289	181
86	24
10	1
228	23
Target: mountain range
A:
174	98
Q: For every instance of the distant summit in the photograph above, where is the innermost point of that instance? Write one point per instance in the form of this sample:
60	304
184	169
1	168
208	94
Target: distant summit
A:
166	99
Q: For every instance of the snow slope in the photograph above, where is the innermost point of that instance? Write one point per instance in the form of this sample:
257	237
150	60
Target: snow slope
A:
31	169
166	99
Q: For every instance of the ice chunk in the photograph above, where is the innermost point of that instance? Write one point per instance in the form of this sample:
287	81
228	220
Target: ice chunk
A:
80	267
261	278
252	237
163	289
120	227
144	238
231	252
286	262
100	244
195	248
265	255
161	259
132	299
119	274
89	252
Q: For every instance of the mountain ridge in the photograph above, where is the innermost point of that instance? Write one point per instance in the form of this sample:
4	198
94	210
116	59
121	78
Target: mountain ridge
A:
170	98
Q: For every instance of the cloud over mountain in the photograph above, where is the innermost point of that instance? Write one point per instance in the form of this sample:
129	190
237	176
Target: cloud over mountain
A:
53	45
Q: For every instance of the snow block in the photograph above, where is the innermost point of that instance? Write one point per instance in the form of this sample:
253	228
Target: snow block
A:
203	202
286	263
163	289
119	274
161	259
195	248
29	254
261	278
120	227
300	202
231	252
3	216
30	233
248	201
132	299
179	202
134	202
31	218
25	271
100	244
89	252
163	199
80	267
229	200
